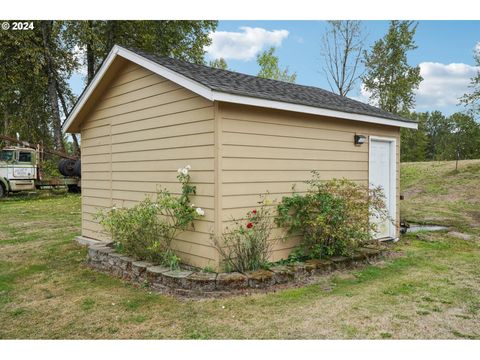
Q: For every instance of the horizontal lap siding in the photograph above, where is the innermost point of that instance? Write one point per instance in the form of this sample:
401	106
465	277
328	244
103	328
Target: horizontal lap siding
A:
140	132
269	151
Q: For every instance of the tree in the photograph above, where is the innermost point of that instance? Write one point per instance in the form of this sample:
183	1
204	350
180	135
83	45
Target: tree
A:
472	99
414	142
35	66
218	64
342	47
41	65
389	78
23	106
464	139
438	128
51	72
441	138
180	39
270	69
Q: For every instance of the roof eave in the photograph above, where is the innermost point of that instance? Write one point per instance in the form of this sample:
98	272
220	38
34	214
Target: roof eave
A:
89	90
280	105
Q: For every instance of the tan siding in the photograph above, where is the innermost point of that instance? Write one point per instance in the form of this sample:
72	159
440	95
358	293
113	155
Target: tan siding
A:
162	132
162	165
267	164
135	85
142	129
201	177
273	176
144	103
269	151
184	117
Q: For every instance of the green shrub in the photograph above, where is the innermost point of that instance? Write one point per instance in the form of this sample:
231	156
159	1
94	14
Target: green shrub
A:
146	230
333	217
50	168
247	246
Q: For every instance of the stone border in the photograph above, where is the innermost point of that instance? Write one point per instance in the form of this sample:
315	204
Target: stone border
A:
196	283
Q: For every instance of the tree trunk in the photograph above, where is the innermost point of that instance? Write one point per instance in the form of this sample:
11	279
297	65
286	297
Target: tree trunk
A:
90	54
6	126
76	146
52	85
111	34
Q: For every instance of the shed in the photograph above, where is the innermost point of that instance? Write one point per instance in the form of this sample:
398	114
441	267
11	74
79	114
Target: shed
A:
143	116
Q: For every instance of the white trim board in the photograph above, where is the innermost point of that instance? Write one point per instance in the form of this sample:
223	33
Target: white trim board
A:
392	201
212	95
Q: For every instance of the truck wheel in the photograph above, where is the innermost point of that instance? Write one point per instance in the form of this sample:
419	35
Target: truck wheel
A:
65	166
3	192
77	168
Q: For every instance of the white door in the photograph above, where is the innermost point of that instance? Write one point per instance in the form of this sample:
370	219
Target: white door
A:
382	172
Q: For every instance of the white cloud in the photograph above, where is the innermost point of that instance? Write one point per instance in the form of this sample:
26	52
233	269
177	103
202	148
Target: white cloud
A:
364	96
441	87
244	45
442	84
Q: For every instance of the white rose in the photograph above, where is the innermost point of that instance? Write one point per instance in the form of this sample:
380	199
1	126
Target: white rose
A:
179	170
193	205
185	171
114	208
188	167
200	211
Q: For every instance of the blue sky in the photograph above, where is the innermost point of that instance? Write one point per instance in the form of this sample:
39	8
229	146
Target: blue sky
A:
444	53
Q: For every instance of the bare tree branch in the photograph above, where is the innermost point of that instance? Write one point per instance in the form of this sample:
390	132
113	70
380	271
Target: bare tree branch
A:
342	47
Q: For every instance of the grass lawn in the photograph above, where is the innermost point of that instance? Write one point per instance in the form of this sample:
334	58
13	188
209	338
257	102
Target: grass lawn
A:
432	291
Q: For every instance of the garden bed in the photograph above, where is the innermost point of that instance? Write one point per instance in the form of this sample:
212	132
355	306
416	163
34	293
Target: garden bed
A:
188	282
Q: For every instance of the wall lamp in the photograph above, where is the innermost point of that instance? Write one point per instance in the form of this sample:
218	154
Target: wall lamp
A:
360	139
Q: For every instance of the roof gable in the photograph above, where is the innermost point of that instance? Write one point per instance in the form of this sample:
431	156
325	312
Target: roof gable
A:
223	85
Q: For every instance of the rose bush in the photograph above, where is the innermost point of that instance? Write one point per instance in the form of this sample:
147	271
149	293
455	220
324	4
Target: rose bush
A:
247	246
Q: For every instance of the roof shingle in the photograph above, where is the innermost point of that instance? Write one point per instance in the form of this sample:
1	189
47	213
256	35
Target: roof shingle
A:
246	85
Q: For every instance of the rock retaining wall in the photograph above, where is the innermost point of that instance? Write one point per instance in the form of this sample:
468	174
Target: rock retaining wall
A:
188	282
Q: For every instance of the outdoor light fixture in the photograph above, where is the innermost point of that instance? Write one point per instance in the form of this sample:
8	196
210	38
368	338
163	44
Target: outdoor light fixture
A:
360	139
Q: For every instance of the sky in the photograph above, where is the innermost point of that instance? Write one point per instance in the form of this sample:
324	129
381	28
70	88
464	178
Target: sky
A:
444	54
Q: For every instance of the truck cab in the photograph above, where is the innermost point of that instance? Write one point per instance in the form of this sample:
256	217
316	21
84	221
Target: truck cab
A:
18	169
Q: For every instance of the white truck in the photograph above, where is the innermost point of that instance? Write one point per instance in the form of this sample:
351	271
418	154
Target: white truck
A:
20	170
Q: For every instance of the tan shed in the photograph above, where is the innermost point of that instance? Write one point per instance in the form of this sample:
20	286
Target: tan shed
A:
142	117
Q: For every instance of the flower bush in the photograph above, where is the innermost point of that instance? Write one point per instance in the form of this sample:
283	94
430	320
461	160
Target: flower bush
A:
247	246
333	218
146	230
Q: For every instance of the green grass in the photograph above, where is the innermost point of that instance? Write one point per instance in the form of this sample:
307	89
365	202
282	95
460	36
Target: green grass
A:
437	194
429	290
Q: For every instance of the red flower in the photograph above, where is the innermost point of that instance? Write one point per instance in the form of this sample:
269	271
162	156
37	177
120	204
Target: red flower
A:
254	211
249	225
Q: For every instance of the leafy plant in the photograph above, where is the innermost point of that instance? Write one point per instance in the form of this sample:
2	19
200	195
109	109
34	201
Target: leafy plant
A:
247	246
333	218
146	230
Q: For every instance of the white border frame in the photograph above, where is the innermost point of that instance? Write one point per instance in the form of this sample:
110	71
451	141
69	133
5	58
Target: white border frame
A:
392	209
211	95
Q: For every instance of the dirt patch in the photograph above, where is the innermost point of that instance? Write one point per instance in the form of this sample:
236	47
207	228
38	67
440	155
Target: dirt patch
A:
460	235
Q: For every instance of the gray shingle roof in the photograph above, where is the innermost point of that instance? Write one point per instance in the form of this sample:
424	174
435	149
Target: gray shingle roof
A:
253	86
